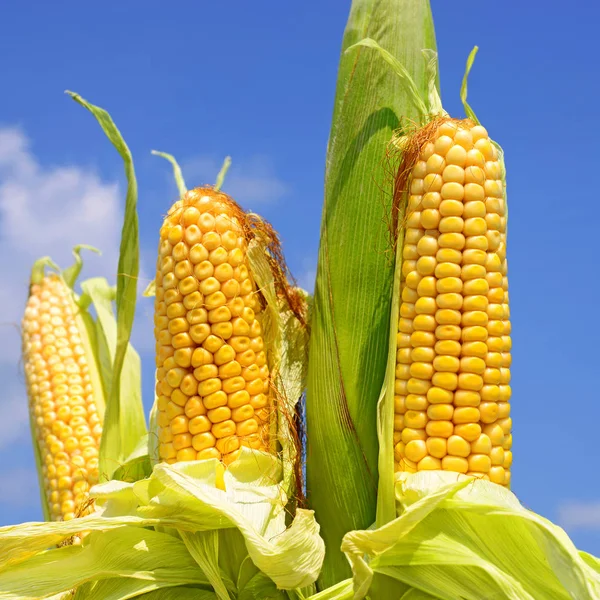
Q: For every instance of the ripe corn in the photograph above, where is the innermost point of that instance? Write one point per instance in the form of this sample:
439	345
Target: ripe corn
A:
212	374
452	380
65	418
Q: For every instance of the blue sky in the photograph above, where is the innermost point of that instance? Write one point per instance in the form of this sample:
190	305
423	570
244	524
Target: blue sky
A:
256	80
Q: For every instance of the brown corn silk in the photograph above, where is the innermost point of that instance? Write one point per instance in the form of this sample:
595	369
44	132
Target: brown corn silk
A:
214	392
452	392
65	420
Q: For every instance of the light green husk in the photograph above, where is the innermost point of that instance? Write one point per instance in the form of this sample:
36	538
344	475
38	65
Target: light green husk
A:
245	501
457	537
350	313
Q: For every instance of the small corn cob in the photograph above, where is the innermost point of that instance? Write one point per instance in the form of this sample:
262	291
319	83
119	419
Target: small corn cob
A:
212	374
452	389
65	418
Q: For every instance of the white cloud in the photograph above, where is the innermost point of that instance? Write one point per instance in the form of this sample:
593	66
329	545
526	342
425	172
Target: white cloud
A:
249	182
46	211
579	515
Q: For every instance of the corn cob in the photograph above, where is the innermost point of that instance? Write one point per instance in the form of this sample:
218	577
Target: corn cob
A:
66	422
212	375
452	377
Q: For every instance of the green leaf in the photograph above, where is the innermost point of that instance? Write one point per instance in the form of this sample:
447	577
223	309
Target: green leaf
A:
117	420
350	320
126	429
458	537
176	171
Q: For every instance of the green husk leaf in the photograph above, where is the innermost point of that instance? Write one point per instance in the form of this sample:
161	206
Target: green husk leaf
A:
120	588
177	174
137	465
204	548
70	274
287	340
340	591
400	70
131	417
260	586
180	593
124	421
246	499
125	552
463	88
38	270
254	503
386	502
434	102
456	537
350	317
222	173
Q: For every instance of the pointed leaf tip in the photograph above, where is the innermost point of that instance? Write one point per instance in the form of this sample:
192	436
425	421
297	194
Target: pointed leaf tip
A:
463	88
70	274
222	173
399	69
181	187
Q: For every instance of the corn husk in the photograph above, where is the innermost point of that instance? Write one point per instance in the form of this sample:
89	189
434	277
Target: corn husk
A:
352	301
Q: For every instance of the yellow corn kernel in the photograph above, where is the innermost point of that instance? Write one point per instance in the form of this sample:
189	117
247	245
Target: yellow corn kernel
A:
443	429
437	446
468	431
480	463
440	412
415	450
457	446
455	463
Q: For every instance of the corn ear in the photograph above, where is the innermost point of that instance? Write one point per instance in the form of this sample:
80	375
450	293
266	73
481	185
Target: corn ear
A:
66	395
